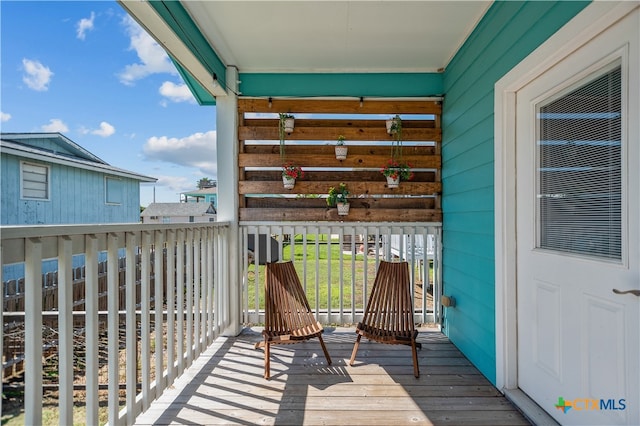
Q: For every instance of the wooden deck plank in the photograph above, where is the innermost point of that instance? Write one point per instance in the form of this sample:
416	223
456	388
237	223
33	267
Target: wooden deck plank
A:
225	386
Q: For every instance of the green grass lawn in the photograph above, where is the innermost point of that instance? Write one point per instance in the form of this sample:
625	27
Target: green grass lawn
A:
341	288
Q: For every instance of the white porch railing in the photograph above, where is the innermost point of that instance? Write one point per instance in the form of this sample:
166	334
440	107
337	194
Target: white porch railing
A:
112	327
356	252
139	328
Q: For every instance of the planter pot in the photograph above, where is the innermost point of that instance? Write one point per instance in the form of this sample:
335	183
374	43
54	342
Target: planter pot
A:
341	152
389	124
289	124
393	183
288	182
343	209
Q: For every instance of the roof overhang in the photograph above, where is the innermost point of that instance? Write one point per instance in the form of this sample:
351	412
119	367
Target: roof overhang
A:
22	151
275	40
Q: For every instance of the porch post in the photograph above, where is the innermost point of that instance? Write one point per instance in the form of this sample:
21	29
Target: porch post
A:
227	159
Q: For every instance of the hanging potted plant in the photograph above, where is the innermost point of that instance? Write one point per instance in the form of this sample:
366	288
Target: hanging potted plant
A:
394	126
290	173
285	127
338	197
396	169
341	148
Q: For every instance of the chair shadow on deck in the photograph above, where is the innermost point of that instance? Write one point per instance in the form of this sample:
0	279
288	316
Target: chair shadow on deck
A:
233	383
228	387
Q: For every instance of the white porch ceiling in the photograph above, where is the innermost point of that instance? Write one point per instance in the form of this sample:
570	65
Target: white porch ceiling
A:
336	36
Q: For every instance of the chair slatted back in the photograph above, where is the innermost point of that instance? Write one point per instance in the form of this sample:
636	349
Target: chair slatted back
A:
389	309
388	317
287	308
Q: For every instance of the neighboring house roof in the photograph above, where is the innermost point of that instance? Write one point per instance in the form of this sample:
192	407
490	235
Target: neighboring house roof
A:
178	209
71	154
201	192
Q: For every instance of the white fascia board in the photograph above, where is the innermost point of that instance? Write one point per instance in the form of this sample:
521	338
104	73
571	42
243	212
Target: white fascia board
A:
157	28
79	164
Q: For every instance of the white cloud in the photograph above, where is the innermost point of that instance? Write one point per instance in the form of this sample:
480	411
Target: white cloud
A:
37	76
153	59
176	92
55	125
4	116
176	184
197	150
84	25
105	130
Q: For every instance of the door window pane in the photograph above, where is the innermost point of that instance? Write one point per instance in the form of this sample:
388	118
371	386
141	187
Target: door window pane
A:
579	173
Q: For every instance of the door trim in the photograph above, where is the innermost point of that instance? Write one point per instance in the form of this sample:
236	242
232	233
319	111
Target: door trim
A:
593	20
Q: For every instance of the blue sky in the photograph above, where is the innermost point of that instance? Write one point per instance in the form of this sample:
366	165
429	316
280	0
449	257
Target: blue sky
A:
87	70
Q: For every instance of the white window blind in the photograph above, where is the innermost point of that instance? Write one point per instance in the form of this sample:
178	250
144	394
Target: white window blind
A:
579	174
35	181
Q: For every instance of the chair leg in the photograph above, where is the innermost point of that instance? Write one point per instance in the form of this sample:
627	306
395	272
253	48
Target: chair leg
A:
414	351
355	349
267	360
324	349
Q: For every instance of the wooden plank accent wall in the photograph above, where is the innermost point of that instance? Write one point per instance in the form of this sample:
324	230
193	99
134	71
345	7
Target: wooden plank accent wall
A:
311	145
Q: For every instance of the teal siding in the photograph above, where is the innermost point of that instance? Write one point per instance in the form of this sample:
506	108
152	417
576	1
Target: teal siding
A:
76	196
507	34
356	84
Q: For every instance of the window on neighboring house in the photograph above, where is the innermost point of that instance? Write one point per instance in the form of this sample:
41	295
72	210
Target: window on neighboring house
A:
153	217
34	180
191	219
113	190
166	219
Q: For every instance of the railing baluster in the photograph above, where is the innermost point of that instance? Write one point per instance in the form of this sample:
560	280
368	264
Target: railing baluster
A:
171	306
212	235
33	331
189	305
204	286
197	288
131	332
181	247
113	328
65	327
91	327
145	318
158	300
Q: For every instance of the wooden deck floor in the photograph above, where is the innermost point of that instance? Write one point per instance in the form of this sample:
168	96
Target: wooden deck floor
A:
225	386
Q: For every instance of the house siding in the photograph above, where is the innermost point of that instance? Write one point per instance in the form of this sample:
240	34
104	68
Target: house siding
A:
508	32
76	196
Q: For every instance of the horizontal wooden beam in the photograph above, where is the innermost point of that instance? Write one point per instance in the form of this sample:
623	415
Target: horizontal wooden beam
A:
365	203
315	187
331	134
355	215
340	106
368	161
354	150
346	175
346	123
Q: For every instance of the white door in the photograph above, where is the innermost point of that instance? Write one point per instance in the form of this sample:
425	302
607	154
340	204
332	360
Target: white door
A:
578	186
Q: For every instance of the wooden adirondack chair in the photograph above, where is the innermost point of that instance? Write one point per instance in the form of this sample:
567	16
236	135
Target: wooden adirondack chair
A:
288	317
388	317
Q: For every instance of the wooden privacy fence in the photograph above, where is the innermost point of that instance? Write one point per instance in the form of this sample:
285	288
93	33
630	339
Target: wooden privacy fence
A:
14	290
318	123
14	302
